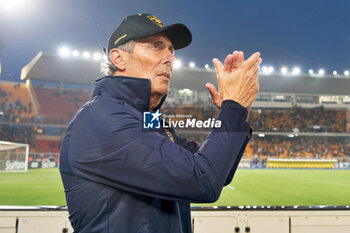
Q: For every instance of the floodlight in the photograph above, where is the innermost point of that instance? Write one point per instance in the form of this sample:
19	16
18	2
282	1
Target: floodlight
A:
86	54
311	71
335	72
177	64
321	72
64	51
296	71
97	56
206	66
264	69
284	70
75	53
8	7
346	73
192	65
271	69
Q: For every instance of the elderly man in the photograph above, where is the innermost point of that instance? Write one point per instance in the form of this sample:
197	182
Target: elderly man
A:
119	177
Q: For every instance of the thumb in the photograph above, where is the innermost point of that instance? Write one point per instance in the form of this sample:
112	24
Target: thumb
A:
218	66
215	96
212	90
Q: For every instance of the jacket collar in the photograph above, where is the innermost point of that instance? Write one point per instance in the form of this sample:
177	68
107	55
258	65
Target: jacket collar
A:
134	91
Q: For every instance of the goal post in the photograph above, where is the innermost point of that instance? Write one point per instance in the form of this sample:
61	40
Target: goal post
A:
13	157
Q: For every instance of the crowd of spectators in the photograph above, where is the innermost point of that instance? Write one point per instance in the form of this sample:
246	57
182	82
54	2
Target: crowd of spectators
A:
18	133
285	147
28	135
298	147
261	119
268	146
12	107
302	119
16	110
277	120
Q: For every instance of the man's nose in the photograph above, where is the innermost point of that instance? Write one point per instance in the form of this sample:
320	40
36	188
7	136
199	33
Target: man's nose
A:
169	57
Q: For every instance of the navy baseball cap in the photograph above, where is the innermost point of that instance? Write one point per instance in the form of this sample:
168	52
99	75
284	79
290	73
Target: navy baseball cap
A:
143	25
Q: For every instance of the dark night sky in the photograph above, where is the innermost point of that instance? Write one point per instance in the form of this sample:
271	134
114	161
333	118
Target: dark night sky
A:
309	34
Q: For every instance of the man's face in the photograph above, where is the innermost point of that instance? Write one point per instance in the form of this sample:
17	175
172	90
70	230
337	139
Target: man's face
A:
152	58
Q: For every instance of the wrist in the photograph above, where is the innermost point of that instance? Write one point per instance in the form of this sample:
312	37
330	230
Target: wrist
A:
237	106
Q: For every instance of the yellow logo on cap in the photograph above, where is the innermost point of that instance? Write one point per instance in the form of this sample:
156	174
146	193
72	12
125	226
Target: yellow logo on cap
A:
155	20
123	36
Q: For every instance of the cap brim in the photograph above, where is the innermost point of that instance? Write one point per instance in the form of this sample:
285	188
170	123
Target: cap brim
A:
178	34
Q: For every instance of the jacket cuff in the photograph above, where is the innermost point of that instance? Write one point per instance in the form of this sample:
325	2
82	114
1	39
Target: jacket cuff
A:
233	104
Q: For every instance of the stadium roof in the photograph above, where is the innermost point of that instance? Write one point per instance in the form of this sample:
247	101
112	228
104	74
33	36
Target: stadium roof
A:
84	71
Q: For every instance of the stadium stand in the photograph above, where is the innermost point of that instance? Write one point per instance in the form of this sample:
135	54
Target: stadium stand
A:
316	119
18	133
286	147
299	147
305	120
16	104
314	108
59	106
47	146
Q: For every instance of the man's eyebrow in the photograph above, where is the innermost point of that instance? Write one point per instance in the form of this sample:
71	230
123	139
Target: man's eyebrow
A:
170	47
157	42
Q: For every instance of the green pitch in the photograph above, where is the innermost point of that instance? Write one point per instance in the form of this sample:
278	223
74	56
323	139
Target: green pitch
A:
250	187
35	187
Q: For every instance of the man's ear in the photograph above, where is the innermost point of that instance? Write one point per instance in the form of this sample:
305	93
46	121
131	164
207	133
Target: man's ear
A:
118	58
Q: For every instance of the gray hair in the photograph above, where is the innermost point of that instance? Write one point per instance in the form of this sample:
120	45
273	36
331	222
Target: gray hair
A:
107	67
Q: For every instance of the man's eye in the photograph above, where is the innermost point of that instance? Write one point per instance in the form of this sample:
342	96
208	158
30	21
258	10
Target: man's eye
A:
155	46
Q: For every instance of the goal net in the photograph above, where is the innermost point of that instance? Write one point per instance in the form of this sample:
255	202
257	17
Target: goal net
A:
13	157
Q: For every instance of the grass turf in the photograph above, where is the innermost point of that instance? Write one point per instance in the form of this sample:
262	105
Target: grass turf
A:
35	187
275	187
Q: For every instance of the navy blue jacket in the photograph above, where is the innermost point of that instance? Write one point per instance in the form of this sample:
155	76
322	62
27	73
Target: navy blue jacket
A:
121	178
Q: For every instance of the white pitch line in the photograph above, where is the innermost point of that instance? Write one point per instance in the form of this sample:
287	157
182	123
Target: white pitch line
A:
230	187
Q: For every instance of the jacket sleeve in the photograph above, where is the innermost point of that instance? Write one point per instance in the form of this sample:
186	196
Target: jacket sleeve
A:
193	147
111	148
239	157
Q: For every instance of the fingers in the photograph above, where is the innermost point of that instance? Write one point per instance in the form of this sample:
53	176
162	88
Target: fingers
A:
212	90
241	56
256	75
219	70
218	66
228	63
215	96
237	60
255	67
233	61
252	60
